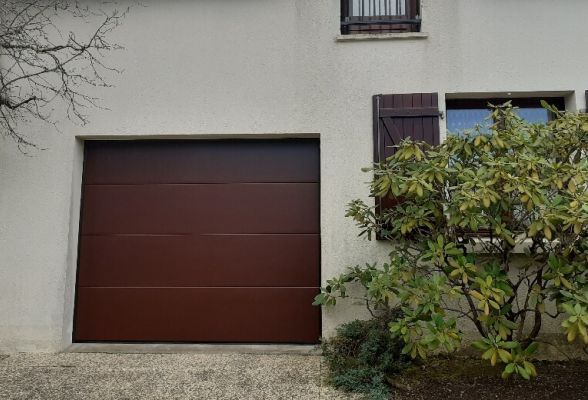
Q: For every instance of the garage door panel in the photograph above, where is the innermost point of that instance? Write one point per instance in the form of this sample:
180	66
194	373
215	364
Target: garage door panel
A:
241	208
282	315
202	162
200	260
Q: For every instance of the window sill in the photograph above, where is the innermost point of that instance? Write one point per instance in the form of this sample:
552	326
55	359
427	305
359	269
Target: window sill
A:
382	36
520	248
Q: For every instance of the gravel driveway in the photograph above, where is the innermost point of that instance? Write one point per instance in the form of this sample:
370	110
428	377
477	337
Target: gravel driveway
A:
99	376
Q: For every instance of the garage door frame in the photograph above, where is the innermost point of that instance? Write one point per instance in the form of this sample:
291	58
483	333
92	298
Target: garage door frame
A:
207	139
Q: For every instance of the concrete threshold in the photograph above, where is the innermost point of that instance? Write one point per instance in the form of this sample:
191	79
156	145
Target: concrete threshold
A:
179	348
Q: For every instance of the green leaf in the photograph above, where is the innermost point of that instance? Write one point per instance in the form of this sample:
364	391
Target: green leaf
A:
532	348
480	345
319	299
407	348
488	353
530	368
523	372
509	345
504	355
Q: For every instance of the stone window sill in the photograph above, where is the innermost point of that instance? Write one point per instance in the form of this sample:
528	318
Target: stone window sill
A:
520	248
382	36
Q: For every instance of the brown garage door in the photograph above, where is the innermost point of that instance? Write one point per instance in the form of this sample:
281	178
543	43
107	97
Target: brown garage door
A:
199	241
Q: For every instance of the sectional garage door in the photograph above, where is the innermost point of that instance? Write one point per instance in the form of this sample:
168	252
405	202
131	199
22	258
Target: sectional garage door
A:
199	241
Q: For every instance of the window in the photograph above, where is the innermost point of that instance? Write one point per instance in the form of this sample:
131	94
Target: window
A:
465	114
380	16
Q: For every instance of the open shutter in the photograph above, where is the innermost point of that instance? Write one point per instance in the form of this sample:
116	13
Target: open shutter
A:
401	116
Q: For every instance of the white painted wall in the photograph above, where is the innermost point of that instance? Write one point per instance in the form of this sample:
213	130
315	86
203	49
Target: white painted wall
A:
263	67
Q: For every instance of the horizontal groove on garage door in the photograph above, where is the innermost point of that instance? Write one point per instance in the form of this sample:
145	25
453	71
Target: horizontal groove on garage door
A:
270	315
260	260
138	162
201	208
207	183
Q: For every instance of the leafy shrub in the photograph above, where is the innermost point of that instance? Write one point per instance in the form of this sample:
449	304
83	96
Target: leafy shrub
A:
362	355
461	210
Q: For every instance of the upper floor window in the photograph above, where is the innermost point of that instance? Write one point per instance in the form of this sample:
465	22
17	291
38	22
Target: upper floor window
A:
380	16
466	114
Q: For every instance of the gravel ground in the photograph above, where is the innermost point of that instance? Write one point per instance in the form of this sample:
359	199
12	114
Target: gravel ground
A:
90	376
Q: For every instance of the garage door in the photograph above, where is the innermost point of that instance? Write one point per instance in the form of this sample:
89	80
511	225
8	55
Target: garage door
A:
199	241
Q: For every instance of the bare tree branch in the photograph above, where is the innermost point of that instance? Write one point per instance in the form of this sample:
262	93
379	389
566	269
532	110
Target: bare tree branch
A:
45	67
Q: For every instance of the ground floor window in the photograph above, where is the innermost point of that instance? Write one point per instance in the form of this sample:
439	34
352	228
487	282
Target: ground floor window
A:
466	114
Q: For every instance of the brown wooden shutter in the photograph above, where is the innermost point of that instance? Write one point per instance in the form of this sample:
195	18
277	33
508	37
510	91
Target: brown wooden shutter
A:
401	116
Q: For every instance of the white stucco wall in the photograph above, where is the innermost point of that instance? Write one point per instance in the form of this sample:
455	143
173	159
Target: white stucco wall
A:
204	68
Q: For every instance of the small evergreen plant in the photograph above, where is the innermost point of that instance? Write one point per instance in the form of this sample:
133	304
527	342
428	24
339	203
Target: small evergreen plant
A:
362	355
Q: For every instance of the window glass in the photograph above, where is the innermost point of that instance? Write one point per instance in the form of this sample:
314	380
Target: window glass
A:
462	120
377	7
464	115
534	115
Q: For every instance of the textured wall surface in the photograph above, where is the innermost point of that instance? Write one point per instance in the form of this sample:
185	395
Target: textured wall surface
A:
224	68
